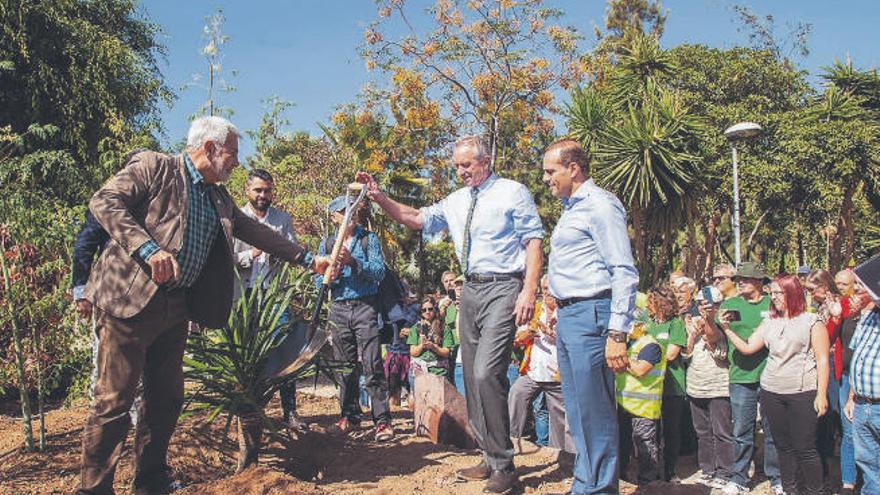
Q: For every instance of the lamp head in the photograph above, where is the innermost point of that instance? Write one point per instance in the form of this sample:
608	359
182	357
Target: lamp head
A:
743	130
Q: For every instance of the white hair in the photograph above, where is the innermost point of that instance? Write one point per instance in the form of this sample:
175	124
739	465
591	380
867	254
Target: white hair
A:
211	128
684	283
476	142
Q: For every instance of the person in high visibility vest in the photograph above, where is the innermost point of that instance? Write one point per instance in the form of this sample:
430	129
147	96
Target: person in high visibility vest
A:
639	399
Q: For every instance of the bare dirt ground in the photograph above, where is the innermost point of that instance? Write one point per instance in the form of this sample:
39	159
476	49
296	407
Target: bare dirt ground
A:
318	462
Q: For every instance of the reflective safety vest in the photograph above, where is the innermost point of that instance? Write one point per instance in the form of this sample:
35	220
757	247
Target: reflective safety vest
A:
642	396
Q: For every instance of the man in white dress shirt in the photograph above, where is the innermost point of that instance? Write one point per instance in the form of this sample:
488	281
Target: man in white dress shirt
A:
497	234
593	278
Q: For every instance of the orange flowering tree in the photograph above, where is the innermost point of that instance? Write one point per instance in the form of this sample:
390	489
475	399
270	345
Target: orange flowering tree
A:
488	67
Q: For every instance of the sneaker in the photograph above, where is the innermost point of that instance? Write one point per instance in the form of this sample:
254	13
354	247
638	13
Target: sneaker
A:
296	424
708	480
343	426
501	482
384	432
777	490
732	488
474	473
675	480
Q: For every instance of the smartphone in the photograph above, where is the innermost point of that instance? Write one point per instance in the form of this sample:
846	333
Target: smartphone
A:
707	295
734	314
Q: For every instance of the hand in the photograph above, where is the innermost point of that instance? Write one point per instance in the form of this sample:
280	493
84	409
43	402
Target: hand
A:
615	355
708	311
344	257
255	253
404	333
331	273
848	408
163	267
84	308
821	404
320	264
444	303
724	318
373	191
525	306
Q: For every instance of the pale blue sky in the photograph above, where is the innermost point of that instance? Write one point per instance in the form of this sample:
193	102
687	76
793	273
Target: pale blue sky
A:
305	51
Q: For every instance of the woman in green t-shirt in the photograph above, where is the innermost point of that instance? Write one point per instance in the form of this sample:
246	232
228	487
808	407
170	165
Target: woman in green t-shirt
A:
670	333
430	343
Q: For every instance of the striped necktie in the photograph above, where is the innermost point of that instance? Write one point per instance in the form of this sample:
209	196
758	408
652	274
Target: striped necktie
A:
466	247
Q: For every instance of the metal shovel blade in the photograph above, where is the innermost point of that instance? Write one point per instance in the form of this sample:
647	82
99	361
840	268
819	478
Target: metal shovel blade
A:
297	350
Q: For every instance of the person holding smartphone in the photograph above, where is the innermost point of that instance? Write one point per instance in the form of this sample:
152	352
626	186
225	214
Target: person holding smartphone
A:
794	385
742	315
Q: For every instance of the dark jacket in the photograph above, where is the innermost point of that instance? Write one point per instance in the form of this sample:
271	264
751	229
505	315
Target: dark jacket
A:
90	240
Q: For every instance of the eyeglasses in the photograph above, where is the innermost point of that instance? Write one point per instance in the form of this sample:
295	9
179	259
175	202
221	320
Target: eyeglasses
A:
427	310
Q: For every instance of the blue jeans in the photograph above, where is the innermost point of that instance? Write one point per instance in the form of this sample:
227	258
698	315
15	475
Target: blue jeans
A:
847	450
744	409
588	390
459	379
542	421
866	439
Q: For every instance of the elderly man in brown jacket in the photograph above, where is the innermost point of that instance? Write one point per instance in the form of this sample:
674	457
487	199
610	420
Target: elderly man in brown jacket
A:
170	261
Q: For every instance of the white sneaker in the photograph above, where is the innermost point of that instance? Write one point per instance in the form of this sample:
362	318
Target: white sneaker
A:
732	488
777	490
708	480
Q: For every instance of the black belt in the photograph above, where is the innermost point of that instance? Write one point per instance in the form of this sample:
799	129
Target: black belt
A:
858	399
371	300
605	294
481	278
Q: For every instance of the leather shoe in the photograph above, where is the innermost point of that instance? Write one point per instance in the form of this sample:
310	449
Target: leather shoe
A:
501	482
479	472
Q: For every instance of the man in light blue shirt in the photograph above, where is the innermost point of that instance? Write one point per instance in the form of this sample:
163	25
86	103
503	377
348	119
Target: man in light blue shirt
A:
593	277
497	233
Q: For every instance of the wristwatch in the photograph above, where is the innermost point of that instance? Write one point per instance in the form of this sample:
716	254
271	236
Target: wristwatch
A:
617	336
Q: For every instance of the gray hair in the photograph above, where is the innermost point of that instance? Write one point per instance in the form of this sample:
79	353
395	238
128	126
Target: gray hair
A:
211	128
475	141
684	283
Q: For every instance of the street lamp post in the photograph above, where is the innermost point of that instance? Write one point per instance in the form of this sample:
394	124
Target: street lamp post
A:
734	134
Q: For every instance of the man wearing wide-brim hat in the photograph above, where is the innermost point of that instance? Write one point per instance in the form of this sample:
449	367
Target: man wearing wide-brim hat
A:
742	315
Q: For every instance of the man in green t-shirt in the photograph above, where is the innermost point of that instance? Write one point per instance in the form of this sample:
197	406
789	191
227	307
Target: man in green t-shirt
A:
742	314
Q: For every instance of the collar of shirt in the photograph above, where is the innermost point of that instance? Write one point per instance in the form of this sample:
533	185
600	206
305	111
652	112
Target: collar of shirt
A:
486	183
195	176
582	192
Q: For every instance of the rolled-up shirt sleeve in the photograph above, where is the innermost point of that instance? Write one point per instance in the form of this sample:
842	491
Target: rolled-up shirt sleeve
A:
526	221
434	217
609	225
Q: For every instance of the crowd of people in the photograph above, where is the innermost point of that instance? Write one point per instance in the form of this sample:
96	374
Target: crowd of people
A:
573	356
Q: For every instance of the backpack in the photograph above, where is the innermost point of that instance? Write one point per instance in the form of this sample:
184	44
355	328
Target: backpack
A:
390	288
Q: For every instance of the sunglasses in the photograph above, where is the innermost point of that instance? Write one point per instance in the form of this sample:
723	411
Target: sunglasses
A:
427	310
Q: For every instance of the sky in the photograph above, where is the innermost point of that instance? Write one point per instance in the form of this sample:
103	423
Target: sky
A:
306	51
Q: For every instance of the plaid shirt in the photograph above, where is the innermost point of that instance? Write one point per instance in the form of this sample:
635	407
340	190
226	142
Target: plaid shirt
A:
202	227
865	365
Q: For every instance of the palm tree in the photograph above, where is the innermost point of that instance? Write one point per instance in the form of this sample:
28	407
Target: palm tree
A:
643	141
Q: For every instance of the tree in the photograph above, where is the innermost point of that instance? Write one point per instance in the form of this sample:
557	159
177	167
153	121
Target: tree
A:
484	63
643	140
80	87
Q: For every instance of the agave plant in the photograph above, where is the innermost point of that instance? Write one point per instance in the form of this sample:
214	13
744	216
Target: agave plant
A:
227	364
